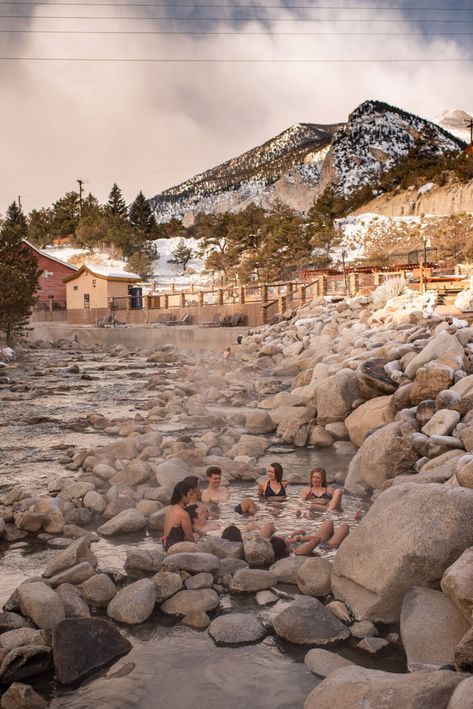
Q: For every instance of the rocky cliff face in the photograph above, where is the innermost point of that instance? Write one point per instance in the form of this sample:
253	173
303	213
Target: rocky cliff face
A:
298	165
447	200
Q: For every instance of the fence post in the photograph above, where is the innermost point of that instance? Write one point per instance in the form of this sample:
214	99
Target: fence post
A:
302	294
264	314
322	282
182	300
220	296
242	295
353	283
166	301
377	278
264	294
128	302
201	298
282	304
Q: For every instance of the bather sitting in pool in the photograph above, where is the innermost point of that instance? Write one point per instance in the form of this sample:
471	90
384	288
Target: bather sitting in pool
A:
214	493
199	515
321	495
325	535
177	522
275	487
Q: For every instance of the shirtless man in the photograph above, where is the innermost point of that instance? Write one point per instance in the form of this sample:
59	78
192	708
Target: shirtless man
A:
214	492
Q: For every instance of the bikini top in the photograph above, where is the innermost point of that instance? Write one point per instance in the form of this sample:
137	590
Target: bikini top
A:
269	492
326	495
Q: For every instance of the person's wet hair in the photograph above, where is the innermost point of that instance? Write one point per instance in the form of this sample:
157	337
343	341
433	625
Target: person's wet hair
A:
280	548
322	472
180	490
193	481
232	534
213	470
192	511
278	472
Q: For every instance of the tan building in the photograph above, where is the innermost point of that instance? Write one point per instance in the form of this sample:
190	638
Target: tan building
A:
99	286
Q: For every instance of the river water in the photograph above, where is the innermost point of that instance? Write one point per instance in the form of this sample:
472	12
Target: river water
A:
41	423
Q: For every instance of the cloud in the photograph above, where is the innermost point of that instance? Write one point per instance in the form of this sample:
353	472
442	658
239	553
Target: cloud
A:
150	126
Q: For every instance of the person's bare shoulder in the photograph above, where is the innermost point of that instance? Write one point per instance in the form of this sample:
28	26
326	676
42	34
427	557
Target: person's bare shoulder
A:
205	497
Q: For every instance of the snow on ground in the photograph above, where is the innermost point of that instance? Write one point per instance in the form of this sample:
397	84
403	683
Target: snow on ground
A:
363	230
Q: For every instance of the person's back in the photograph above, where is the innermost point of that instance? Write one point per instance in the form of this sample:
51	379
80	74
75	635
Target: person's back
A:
177	523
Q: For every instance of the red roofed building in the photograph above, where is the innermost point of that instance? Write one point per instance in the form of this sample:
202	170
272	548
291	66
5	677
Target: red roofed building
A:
52	289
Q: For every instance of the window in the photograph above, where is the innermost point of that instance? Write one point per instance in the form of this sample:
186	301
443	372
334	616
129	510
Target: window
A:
86	300
76	287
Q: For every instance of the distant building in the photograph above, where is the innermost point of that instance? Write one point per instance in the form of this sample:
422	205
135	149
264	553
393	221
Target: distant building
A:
52	289
100	287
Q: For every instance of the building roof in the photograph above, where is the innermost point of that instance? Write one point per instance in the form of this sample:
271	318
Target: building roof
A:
105	272
46	255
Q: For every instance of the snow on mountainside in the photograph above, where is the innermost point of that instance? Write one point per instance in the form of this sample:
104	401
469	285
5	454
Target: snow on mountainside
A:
297	152
455	121
297	165
375	138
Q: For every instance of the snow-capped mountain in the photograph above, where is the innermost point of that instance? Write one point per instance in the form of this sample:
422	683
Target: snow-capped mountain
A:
455	121
298	165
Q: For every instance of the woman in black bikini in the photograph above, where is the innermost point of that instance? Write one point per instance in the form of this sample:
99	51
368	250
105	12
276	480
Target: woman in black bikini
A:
177	522
318	493
275	487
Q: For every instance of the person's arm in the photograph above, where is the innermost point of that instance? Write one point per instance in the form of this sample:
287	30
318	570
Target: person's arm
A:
305	493
261	489
334	503
187	527
309	546
205	497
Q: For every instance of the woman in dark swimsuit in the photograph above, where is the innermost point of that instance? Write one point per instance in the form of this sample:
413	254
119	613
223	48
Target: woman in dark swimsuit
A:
327	497
275	487
177	522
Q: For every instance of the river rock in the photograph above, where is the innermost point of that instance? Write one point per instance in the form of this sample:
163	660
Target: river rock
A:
77	552
375	412
74	604
323	662
442	423
183	548
372	646
75	575
12	621
144	559
134	603
430	380
185	602
353	687
252	580
222	548
202	580
464	652
259	422
171	472
95	502
461	697
306	621
372	578
336	395
257	551
117	505
457	583
75	491
444	348
25	661
384	454
166	584
134	474
193	563
124	522
156	520
236	629
425	410
99	590
286	570
339	610
229	566
83	645
21	636
40	603
22	696
197	620
373	379
314	577
363	629
265	598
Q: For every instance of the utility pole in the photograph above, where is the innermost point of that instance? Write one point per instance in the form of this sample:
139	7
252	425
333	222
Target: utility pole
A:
19	201
469	124
81	182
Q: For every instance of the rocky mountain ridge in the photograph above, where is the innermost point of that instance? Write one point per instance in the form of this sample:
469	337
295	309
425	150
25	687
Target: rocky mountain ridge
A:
298	165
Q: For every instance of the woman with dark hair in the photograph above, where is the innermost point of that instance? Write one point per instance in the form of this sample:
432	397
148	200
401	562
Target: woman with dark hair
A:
329	498
199	516
177	522
274	487
232	534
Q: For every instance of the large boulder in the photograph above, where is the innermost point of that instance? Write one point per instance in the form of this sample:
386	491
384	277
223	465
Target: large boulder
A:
409	537
40	603
336	395
431	627
457	583
134	603
189	601
461	697
22	696
99	590
144	559
83	645
444	348
314	577
124	522
306	621
193	563
257	551
430	380
171	472
252	580
373	380
76	553
286	570
384	454
259	422
25	661
236	629
373	413
323	662
355	687
222	548
166	584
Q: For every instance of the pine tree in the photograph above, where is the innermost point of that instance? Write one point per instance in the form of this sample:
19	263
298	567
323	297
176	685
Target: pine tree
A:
65	215
116	205
142	217
15	218
181	255
19	275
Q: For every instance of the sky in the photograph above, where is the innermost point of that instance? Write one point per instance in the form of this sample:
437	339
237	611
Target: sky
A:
150	125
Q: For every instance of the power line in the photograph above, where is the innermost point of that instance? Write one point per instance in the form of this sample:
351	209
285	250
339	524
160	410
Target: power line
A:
245	34
237	7
218	19
234	61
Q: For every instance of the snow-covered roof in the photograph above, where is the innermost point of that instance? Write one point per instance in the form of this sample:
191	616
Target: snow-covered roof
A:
42	252
109	273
